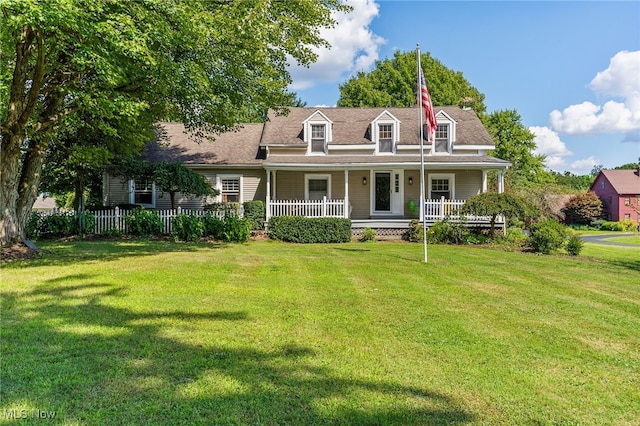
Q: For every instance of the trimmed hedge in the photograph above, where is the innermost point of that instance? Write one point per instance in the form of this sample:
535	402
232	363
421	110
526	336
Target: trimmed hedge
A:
255	211
298	229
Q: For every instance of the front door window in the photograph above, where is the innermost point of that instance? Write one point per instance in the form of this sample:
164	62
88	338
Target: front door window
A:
383	191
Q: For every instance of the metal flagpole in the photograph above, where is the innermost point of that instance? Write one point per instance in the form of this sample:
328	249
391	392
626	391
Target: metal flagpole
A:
422	197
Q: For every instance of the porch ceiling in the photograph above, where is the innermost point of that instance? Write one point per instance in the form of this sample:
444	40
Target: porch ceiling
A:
366	162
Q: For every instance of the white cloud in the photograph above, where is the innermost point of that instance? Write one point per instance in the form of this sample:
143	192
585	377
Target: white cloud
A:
548	143
584	166
353	48
621	80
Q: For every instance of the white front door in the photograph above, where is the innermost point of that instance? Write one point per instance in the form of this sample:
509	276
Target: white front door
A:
387	192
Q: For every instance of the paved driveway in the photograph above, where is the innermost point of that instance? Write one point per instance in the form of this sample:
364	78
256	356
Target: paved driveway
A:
600	239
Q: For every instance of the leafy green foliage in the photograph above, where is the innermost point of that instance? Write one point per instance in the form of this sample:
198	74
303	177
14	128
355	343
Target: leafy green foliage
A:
367	235
415	232
255	212
208	64
515	143
494	204
547	236
231	228
625	225
393	83
582	209
235	230
144	222
187	227
574	245
171	177
298	229
62	224
447	232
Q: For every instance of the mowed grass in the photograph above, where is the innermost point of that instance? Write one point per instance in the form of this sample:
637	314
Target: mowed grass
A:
269	333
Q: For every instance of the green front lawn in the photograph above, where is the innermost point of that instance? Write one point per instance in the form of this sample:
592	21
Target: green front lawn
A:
270	333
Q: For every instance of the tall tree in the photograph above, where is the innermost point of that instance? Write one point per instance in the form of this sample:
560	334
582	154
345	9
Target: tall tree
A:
208	64
392	83
515	143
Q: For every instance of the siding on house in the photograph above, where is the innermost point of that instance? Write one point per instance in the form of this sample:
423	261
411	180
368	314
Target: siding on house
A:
614	187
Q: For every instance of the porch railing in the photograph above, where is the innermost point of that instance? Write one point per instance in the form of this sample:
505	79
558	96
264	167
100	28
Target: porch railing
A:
308	208
443	208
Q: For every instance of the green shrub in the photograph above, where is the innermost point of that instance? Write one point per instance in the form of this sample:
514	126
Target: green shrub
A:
415	232
611	226
574	245
62	224
547	236
144	222
367	234
235	229
255	212
628	225
447	232
213	227
187	227
515	235
298	229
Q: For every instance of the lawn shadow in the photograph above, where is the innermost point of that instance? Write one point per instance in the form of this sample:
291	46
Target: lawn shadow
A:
67	349
61	253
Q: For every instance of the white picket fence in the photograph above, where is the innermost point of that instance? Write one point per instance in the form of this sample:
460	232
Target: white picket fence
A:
115	219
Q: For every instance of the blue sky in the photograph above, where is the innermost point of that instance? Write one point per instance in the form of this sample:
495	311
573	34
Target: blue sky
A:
571	69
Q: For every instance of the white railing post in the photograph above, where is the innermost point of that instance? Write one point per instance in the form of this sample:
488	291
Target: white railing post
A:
324	206
442	207
116	219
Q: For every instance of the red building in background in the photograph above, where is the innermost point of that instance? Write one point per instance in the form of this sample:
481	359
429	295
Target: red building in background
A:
619	191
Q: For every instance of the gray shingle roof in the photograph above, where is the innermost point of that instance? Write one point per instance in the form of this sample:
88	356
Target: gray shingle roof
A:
241	147
351	125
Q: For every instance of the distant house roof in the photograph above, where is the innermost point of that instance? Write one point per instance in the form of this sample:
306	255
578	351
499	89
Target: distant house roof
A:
233	148
623	181
351	125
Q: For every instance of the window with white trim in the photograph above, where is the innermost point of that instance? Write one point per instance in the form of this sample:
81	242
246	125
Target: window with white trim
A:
230	190
442	138
316	187
441	185
385	138
318	138
142	193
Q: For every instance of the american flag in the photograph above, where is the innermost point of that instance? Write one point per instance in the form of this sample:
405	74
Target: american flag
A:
425	99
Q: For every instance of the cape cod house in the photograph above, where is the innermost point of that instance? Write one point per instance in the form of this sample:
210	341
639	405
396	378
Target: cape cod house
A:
619	191
359	163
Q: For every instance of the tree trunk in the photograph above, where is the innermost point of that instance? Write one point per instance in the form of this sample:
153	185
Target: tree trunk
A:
19	181
10	229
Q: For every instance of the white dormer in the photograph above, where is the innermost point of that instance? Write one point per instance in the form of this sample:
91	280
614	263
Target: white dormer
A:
385	133
317	133
445	134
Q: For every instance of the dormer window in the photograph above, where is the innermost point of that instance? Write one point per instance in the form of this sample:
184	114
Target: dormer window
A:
442	144
318	138
317	133
385	138
385	133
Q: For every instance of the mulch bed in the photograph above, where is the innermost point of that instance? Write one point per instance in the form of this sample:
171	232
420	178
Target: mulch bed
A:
18	251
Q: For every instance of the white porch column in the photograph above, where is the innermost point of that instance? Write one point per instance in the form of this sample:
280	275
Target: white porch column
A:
346	194
268	198
500	182
484	181
274	194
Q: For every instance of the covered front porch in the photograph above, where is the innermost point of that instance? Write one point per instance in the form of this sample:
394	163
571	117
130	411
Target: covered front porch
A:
380	197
